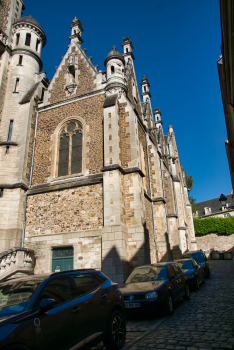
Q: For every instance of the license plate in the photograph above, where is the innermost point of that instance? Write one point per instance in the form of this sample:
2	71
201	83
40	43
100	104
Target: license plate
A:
132	305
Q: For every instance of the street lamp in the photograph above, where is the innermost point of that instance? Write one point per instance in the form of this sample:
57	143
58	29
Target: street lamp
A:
223	200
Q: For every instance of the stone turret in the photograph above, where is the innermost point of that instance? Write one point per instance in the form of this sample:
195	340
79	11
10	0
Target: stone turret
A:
76	30
114	64
127	47
145	88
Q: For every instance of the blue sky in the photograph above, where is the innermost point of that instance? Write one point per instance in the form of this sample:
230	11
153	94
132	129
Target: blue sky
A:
176	45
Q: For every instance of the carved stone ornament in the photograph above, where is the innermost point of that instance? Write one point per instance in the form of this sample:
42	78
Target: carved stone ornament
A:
111	91
70	88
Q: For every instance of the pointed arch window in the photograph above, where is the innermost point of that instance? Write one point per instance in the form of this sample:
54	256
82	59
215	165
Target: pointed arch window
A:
70	149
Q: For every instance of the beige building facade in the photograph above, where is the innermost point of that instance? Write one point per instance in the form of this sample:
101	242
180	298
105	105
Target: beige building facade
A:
88	178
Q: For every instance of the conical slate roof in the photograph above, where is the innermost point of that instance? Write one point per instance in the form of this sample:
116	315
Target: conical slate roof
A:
114	54
28	19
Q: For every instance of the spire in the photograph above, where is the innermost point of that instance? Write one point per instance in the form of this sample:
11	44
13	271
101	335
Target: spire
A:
76	30
157	116
145	88
127	47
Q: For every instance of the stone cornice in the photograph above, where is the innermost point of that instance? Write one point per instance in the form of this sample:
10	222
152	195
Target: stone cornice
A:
158	199
29	53
66	184
21	185
122	170
182	228
172	215
71	100
8	143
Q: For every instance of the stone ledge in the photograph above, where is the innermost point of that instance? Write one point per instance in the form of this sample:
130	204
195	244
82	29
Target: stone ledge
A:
66	184
21	185
8	143
172	215
122	170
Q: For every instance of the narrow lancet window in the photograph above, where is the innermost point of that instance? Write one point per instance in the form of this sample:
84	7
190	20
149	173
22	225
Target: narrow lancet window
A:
28	39
16	85
17	38
20	60
37	44
112	69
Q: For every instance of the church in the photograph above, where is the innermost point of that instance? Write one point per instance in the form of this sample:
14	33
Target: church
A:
88	178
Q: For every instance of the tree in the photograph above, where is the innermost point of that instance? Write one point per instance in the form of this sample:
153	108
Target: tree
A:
190	185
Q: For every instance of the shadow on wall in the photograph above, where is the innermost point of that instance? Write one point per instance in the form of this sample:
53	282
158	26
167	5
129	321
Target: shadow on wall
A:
113	264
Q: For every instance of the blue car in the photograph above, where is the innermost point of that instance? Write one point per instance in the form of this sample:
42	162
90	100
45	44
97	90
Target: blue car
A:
200	258
193	272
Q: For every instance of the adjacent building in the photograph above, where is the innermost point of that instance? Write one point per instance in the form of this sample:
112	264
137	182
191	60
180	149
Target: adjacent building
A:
88	178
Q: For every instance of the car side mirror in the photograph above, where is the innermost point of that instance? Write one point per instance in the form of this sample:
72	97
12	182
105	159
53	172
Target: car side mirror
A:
46	304
172	277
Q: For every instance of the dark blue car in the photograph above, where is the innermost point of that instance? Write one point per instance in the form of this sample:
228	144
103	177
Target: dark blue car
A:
65	310
193	272
200	258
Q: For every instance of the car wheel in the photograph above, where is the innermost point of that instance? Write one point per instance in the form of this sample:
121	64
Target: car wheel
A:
169	305
116	331
197	284
187	293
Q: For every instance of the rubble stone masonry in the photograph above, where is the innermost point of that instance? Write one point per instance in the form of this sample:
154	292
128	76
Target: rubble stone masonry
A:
4	13
92	112
85	81
124	136
65	211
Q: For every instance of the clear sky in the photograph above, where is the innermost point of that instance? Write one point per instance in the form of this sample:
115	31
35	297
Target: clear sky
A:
176	45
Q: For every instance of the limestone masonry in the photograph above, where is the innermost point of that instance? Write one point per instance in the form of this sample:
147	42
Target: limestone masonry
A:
87	176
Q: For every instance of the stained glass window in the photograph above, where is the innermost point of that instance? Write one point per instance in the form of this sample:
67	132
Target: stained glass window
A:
70	149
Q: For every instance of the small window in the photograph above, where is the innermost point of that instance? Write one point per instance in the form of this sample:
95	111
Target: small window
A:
72	74
1	192
10	130
74	31
126	49
84	284
28	39
20	60
37	44
16	85
225	215
112	69
17	38
59	290
144	88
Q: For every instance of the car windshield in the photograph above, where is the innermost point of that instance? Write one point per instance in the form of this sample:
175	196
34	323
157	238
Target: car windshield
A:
147	274
185	265
15	295
198	257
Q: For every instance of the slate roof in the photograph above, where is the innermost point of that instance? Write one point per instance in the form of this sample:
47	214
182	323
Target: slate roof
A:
215	205
28	19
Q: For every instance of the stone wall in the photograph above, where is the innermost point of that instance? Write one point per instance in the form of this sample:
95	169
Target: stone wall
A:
124	136
213	241
92	112
63	211
142	140
137	105
4	13
128	197
85	79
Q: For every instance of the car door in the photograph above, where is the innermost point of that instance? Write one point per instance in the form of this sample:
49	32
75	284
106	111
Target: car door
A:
173	281
56	328
94	305
181	280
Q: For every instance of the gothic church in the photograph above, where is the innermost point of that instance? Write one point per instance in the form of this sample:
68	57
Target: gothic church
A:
87	176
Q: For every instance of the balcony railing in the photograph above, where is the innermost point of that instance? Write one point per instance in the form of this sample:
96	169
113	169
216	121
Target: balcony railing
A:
16	260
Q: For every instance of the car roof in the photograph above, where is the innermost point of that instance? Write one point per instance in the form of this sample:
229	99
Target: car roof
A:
157	264
45	276
182	260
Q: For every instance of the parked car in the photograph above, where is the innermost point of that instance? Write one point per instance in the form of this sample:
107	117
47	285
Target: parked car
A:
193	272
154	288
65	310
200	257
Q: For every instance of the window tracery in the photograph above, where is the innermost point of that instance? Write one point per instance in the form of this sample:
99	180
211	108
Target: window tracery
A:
70	144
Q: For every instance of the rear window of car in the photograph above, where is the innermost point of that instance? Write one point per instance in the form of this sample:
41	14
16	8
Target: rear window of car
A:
58	289
84	284
146	274
198	257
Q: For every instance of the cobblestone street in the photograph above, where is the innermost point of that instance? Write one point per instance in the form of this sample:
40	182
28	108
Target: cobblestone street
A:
204	322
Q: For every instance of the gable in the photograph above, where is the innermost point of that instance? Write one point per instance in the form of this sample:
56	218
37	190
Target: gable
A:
64	86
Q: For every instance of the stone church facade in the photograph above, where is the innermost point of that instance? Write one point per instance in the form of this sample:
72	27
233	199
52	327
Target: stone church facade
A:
87	172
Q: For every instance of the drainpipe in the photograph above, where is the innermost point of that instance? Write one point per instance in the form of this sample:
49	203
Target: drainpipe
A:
30	183
168	234
152	206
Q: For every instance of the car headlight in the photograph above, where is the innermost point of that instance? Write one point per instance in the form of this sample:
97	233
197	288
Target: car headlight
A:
151	295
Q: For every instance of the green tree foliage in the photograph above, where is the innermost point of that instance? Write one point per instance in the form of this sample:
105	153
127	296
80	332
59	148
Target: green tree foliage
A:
218	225
190	185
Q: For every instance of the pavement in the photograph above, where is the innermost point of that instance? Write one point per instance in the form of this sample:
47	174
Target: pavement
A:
205	322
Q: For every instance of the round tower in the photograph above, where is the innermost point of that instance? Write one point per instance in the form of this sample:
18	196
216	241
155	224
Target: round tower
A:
28	41
114	64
